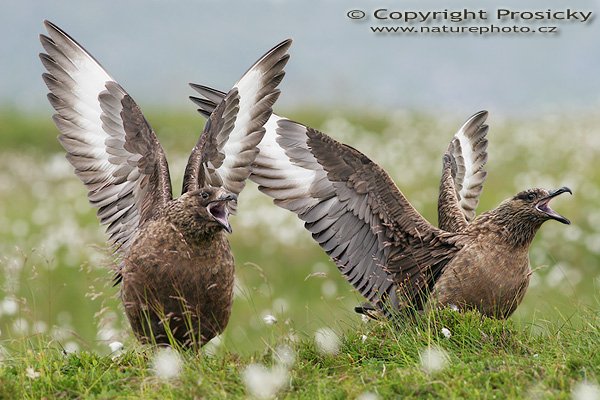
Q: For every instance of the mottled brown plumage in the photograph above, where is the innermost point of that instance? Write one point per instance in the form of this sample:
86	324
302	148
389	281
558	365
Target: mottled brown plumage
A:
176	266
180	266
491	271
380	243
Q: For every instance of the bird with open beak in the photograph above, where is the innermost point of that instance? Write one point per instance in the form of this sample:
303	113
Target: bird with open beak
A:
380	243
175	267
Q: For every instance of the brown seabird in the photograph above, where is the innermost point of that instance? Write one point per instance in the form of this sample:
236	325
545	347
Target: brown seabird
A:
176	266
380	243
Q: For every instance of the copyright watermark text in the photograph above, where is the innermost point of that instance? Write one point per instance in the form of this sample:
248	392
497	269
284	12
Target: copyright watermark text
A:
474	21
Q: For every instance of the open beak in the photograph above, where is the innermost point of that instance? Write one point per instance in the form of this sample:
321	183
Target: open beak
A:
543	205
220	211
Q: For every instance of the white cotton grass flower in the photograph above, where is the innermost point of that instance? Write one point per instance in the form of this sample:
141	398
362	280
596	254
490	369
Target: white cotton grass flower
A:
264	383
167	363
212	347
9	306
115	346
270	319
329	289
327	341
32	373
20	326
585	391
116	349
446	332
368	396
39	327
433	359
284	355
71	347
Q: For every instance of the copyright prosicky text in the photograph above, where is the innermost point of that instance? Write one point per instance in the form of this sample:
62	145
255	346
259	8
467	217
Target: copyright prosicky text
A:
500	14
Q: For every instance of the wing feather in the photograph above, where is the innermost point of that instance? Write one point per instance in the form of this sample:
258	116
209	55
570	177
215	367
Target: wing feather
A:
463	174
108	141
228	146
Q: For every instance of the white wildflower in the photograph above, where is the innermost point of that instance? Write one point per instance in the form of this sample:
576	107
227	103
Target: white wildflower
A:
116	349
115	346
211	348
433	359
71	347
586	391
453	307
329	289
32	373
363	338
284	355
327	341
39	327
264	383
20	326
10	306
446	333
167	363
270	319
368	396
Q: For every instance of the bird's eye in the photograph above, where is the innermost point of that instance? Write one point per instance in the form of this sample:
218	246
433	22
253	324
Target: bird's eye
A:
205	195
527	196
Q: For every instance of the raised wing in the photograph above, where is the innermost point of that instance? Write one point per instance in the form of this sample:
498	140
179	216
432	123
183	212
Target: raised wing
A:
463	174
353	209
228	145
108	141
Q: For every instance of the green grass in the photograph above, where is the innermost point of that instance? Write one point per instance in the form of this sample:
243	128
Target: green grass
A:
55	279
485	358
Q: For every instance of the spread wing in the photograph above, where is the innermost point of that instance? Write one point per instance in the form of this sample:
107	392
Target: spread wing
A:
108	141
353	209
228	145
463	174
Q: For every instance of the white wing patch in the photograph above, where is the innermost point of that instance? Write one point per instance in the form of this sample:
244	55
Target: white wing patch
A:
278	176
469	151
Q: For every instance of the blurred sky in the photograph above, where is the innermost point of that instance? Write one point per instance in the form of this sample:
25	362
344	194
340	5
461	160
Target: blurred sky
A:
154	47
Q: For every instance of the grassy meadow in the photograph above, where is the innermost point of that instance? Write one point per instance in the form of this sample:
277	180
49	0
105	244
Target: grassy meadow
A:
59	312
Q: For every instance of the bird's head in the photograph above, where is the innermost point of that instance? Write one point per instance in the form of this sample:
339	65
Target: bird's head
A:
525	212
211	206
534	205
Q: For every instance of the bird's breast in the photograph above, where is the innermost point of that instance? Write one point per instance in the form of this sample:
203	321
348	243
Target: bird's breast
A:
162	255
485	275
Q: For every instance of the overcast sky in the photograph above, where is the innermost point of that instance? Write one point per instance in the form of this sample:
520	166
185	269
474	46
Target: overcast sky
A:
154	47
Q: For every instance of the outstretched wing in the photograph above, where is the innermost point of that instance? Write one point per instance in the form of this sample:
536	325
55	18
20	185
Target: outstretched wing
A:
463	174
353	209
108	141
228	145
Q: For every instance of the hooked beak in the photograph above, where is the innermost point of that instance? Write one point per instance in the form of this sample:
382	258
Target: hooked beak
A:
220	211
544	207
